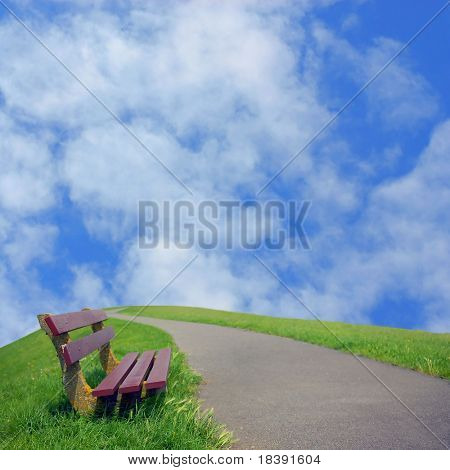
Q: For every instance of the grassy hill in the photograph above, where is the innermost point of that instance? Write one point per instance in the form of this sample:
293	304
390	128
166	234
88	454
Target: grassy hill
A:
419	350
35	413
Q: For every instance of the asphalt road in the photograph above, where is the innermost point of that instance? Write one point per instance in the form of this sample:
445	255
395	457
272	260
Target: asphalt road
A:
277	393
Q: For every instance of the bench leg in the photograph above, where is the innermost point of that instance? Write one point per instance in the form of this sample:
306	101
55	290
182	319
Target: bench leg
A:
78	390
106	405
128	402
155	391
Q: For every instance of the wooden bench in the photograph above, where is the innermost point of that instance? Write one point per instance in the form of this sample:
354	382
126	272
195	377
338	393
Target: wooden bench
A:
132	377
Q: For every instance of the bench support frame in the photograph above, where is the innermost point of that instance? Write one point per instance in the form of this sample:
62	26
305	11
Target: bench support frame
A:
77	389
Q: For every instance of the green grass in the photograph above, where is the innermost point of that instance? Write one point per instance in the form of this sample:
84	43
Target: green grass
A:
35	413
419	350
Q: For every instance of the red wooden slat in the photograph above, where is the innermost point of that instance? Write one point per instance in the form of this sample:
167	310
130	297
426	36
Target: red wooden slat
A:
65	322
158	375
109	385
76	350
133	382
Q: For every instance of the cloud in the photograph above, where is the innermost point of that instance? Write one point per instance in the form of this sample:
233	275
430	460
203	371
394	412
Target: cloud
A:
211	89
29	242
400	97
213	92
400	245
223	94
213	279
16	319
27	182
404	98
87	289
27	192
22	299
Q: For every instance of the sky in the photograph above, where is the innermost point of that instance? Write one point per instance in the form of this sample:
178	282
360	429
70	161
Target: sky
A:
224	93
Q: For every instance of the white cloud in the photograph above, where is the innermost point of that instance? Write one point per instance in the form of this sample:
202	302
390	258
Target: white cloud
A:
22	299
16	319
29	242
212	280
223	93
87	289
401	245
400	97
27	178
214	92
27	190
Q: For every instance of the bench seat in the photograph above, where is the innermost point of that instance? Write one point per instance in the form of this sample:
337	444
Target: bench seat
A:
157	379
134	380
110	384
133	372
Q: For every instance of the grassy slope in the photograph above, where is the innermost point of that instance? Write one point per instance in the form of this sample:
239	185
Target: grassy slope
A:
418	350
35	413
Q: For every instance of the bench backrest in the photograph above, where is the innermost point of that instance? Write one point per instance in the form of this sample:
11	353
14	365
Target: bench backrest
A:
73	351
66	322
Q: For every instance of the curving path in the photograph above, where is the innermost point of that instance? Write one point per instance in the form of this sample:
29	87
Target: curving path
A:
277	393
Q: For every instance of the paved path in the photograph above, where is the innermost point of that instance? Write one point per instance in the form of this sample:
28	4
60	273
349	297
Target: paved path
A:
277	393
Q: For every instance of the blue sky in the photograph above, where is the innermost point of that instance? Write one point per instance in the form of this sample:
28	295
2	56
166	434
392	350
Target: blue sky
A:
224	95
